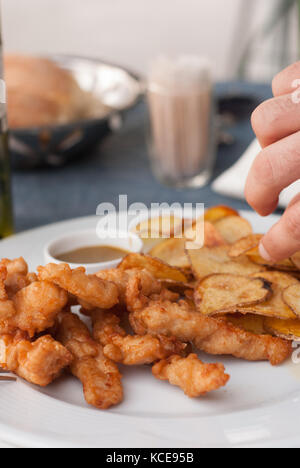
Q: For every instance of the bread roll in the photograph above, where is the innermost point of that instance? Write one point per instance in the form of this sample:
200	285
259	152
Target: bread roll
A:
40	93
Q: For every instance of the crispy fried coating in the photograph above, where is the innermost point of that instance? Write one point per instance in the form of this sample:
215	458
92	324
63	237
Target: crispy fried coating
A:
3	276
39	362
131	350
208	334
90	289
137	296
7	308
148	284
100	377
17	275
36	308
192	375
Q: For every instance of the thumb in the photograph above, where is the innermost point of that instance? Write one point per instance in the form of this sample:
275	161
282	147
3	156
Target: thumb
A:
283	240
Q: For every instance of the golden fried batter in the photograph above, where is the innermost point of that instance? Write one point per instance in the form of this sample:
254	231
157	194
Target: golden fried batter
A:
39	362
17	275
127	349
3	276
137	296
148	284
89	289
100	377
208	334
36	308
193	376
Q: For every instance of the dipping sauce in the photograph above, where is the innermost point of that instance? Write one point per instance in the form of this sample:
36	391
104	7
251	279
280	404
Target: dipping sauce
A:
93	254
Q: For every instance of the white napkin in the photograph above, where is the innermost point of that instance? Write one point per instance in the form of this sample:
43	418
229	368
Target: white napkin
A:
232	182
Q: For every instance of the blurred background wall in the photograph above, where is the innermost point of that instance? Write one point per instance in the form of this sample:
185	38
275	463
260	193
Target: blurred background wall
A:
131	32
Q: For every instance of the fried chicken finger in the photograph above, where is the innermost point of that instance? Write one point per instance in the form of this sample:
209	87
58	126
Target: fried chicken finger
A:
35	308
207	334
192	375
131	350
100	377
39	362
88	288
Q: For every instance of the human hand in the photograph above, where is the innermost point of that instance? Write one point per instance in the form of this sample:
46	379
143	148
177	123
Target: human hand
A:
276	123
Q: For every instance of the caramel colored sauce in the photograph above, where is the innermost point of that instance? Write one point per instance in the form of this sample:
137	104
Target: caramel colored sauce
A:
93	254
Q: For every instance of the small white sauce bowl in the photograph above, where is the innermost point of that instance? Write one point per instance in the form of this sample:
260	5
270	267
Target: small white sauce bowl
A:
127	241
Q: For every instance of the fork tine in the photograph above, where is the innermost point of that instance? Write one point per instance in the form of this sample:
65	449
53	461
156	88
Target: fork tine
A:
8	379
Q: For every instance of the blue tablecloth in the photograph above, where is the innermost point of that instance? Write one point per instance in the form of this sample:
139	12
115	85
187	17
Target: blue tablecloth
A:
119	166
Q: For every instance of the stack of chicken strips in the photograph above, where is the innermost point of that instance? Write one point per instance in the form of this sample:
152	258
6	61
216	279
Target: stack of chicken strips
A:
158	309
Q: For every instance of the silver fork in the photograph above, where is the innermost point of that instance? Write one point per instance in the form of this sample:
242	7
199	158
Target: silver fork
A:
6	378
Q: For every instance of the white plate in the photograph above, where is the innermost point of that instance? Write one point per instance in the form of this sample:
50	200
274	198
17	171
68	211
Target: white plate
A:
259	407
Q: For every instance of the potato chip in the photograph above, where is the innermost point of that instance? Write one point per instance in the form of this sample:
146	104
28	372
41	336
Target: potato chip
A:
160	227
244	245
218	212
207	261
203	234
177	287
296	260
233	228
156	267
275	305
285	265
172	251
218	294
287	329
291	297
250	323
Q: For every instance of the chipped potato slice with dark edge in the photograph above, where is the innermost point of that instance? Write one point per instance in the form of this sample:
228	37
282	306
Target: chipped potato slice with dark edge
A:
172	251
244	245
275	305
159	269
208	261
291	297
218	212
219	294
286	329
233	228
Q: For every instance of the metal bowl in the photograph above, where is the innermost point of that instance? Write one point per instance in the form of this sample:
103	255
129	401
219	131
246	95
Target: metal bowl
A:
117	88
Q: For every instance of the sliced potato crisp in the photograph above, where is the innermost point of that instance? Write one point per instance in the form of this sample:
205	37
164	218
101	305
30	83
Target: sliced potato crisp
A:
160	227
218	212
249	246
207	261
287	329
204	234
291	297
296	260
284	265
233	228
251	323
158	268
172	251
180	288
218	294
244	245
275	305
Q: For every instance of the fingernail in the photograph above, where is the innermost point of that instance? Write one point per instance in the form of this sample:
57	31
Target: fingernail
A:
263	253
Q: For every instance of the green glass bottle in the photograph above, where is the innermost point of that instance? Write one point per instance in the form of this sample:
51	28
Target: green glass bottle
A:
6	212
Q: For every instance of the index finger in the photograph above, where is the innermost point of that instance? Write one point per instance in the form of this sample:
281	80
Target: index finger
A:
285	81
